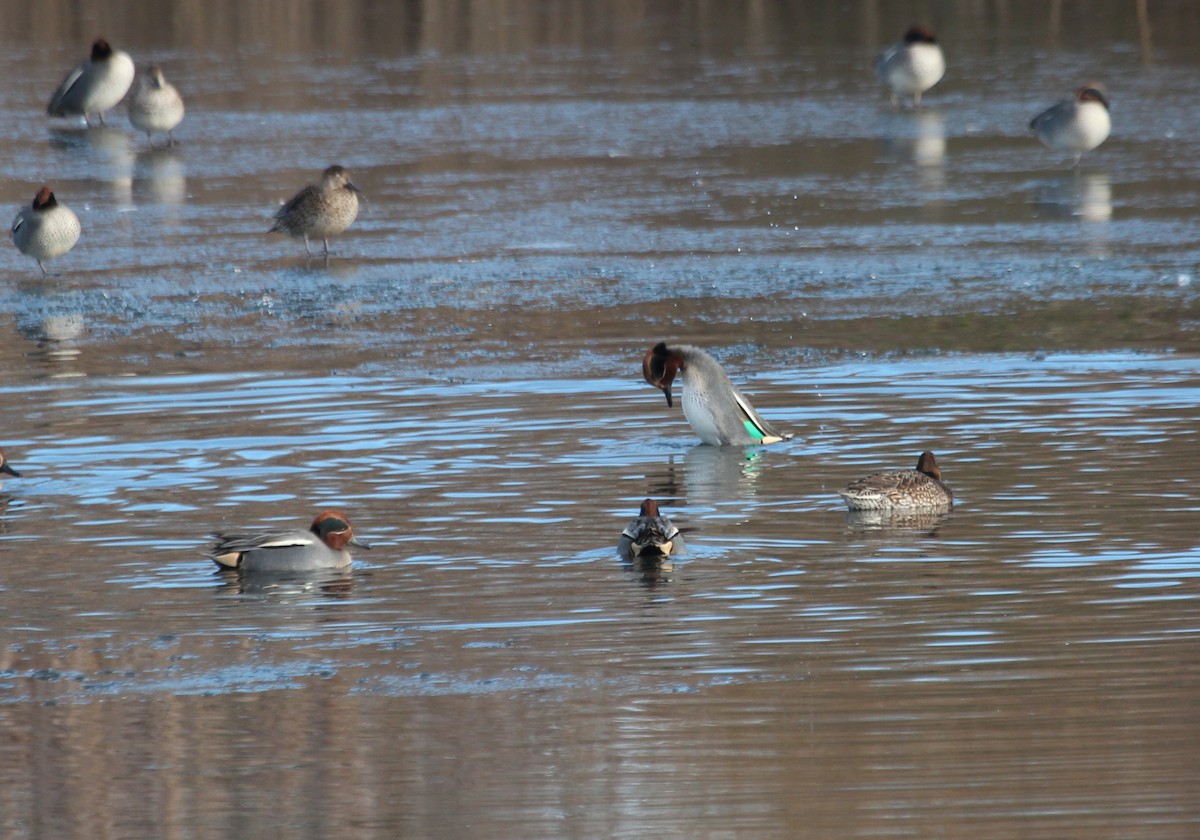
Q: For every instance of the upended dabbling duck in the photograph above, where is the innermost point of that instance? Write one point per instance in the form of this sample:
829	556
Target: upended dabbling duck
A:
715	409
650	534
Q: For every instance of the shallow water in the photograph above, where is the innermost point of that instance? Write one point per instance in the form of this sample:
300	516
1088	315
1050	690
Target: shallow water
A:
551	188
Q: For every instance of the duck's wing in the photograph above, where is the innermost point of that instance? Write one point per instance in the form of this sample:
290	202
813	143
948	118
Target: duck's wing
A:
237	543
648	528
56	108
755	425
1050	116
303	197
884	60
887	482
227	549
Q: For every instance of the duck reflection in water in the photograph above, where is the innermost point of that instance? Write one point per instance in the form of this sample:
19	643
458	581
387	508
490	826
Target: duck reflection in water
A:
160	177
651	571
1080	195
331	584
927	522
713	475
109	154
55	338
918	137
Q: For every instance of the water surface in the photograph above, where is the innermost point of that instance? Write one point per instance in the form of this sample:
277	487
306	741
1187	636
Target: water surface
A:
552	188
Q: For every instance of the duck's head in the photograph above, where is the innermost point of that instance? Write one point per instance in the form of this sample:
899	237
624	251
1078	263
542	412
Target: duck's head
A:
334	530
659	367
337	178
919	35
152	76
44	199
928	464
1092	92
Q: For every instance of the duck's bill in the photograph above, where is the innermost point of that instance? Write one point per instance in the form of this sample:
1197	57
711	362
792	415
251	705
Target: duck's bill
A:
666	389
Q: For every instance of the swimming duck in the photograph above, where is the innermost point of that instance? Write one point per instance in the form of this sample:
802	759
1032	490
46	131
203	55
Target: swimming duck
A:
714	408
156	105
322	211
45	229
912	65
322	546
921	488
650	534
97	84
1075	125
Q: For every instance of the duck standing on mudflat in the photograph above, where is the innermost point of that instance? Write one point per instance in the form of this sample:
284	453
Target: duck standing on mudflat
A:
715	409
911	66
156	105
322	546
919	489
321	210
1075	125
45	229
97	84
650	535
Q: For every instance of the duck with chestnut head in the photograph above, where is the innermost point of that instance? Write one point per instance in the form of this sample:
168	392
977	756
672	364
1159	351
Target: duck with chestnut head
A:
912	65
716	410
1075	125
95	85
322	546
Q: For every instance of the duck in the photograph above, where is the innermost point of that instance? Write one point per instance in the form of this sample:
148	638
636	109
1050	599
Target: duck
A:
5	467
156	106
322	546
650	534
45	229
717	411
912	65
1075	125
95	85
917	489
322	210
